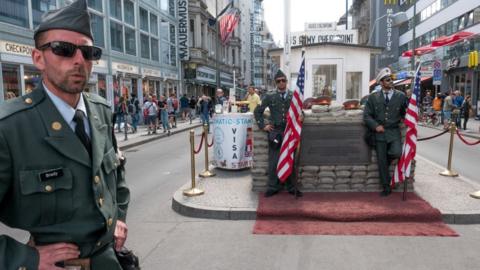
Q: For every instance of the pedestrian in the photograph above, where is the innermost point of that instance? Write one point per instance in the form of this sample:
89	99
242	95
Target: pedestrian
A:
220	99
252	99
171	110
121	112
278	103
163	114
466	109
133	111
150	110
184	106
457	103
383	114
59	171
193	106
205	106
447	109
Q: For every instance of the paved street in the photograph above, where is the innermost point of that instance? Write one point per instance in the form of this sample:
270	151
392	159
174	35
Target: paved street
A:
465	157
165	240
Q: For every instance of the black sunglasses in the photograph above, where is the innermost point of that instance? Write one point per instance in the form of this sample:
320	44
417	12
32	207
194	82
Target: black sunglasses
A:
281	80
387	79
67	49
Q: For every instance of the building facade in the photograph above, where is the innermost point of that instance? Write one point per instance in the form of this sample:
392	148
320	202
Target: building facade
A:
138	39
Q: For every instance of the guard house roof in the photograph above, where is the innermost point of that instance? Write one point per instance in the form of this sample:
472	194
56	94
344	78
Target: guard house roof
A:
374	49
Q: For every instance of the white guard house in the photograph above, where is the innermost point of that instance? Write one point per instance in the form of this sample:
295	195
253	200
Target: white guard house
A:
338	70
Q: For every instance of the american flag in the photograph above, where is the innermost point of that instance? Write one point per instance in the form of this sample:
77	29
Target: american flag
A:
228	22
402	170
293	129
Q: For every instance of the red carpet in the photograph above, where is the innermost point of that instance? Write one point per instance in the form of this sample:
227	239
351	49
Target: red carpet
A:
352	213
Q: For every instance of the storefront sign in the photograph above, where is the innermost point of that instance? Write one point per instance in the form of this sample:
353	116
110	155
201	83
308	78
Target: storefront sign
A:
15	48
328	26
226	79
233	140
170	76
151	72
312	37
100	63
183	52
124	68
206	74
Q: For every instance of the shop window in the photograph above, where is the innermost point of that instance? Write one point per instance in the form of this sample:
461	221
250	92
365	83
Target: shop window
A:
173	56
325	81
155	53
145	46
14	12
116	9
144	19
153	24
128	11
97	30
476	15
130	44
39	7
32	78
164	5
11	82
354	85
171	7
116	36
95	4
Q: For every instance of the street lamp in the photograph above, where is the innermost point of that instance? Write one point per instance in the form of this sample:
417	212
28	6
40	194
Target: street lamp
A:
397	19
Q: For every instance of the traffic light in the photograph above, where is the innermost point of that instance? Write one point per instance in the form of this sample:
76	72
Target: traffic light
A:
473	59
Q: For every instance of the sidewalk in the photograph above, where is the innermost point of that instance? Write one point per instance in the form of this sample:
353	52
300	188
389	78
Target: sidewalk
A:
473	128
142	136
228	195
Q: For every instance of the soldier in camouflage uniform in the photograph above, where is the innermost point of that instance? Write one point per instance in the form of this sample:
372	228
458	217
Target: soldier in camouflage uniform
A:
60	177
383	114
278	102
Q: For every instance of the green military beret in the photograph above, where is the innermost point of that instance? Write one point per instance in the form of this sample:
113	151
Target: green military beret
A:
73	17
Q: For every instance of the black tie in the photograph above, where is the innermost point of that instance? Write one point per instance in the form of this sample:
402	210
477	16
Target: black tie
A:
283	96
80	131
387	100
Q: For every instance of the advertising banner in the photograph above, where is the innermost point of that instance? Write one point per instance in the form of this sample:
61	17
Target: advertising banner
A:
233	140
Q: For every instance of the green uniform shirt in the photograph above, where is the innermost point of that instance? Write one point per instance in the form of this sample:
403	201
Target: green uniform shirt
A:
278	109
50	186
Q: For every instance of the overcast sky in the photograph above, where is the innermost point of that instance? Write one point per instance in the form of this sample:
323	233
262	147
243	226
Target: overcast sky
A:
301	11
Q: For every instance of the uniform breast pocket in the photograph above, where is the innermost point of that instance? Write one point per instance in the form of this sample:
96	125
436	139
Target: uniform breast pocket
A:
47	196
110	163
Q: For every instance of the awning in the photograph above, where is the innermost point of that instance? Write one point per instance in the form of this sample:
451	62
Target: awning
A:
425	79
419	51
448	40
404	82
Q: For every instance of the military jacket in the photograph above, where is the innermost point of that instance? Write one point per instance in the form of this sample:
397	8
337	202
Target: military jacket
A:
50	186
278	109
378	112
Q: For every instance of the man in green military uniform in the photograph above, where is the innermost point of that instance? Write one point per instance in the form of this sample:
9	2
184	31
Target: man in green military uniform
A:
278	102
60	177
383	114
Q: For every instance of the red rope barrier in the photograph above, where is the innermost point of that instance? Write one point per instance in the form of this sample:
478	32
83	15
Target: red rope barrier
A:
434	136
465	141
200	146
210	144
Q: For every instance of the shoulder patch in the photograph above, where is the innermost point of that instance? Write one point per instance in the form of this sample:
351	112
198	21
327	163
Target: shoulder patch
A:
96	99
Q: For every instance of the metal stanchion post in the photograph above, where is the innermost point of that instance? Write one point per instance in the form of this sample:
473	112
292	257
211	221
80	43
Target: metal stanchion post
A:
206	173
193	191
449	171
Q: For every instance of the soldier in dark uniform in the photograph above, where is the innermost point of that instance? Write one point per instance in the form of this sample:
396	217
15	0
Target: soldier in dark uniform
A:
60	177
383	114
278	102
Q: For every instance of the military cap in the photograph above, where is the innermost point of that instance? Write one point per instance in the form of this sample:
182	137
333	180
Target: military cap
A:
73	17
280	74
384	72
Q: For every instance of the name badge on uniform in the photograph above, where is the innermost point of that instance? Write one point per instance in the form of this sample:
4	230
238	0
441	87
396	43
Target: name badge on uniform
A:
51	174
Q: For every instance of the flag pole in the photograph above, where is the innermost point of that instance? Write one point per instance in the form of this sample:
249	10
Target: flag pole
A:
286	49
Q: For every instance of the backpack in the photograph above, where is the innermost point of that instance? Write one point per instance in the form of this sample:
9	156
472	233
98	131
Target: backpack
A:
131	108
